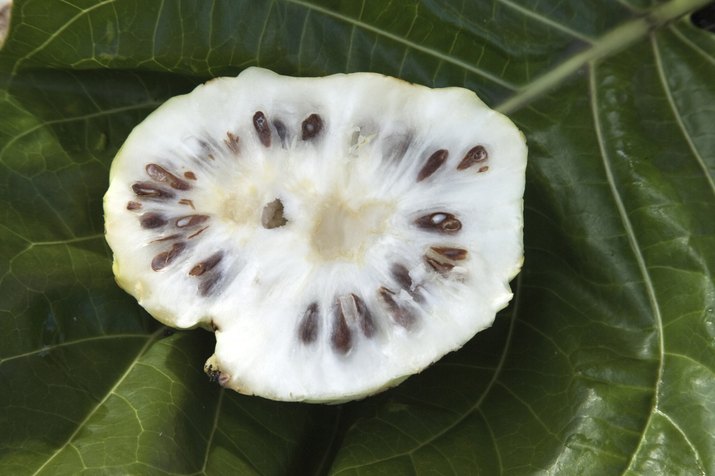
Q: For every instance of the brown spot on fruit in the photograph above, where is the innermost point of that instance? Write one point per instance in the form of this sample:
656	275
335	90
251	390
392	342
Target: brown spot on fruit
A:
272	215
260	123
308	329
134	206
311	127
475	155
190	175
441	222
434	162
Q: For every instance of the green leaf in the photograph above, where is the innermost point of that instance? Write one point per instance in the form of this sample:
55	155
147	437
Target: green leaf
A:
603	364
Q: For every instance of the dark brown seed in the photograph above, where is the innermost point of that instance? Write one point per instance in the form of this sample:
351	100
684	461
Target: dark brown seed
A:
190	175
340	337
441	222
231	142
475	155
207	265
308	329
166	238
367	325
191	220
456	254
149	190
483	169
281	130
402	276
152	220
197	233
186	201
164	259
264	130
400	314
134	206
441	267
434	162
311	127
160	174
208	284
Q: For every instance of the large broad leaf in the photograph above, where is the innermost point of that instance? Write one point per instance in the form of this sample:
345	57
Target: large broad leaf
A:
605	361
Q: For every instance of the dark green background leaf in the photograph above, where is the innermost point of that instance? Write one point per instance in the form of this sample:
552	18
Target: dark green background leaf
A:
603	364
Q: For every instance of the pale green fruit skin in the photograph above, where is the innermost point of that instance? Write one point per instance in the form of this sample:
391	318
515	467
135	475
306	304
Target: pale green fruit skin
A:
299	372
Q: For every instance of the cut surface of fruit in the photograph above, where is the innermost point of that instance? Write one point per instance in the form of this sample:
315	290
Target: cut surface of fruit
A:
338	234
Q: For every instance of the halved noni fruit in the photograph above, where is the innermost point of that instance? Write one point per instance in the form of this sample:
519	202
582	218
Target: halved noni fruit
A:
338	234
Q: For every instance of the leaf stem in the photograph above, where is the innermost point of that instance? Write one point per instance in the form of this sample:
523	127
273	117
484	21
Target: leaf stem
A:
615	40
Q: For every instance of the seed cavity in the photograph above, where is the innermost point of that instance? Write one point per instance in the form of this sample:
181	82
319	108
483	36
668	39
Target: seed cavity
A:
475	155
152	220
340	337
149	190
208	284
456	254
272	215
311	127
281	130
396	146
160	174
434	162
262	128
207	265
134	206
308	329
208	149
164	259
231	142
441	222
190	175
191	220
401	315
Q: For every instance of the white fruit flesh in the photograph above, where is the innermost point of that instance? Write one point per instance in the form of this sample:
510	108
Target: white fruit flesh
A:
351	202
